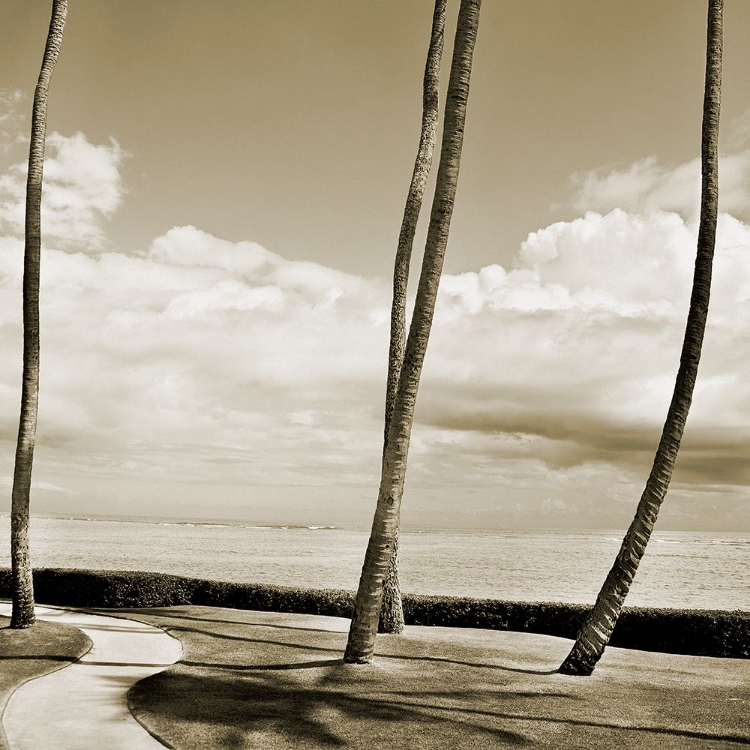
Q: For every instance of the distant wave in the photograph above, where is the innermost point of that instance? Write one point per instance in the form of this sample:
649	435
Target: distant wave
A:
694	540
207	524
175	522
287	526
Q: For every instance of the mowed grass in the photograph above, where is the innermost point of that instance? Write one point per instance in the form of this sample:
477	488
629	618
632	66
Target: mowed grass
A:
267	680
35	651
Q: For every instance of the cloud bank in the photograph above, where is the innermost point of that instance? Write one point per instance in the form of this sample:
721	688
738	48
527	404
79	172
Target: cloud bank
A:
199	376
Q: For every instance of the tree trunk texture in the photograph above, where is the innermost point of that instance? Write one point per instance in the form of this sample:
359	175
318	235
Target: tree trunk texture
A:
597	629
22	583
392	610
361	643
392	614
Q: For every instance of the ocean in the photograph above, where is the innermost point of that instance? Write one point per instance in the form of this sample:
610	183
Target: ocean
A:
698	570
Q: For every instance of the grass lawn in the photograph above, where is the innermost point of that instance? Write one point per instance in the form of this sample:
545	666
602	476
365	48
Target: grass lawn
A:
266	680
32	652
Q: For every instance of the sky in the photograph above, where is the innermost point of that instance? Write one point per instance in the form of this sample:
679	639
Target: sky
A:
224	187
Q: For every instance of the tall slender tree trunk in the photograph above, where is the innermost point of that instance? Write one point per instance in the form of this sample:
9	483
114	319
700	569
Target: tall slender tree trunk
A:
23	588
392	613
368	603
597	629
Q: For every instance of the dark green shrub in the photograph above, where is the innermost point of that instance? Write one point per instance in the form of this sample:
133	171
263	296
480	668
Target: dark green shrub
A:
677	631
274	598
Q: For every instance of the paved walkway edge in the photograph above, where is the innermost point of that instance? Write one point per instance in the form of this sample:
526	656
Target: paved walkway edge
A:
84	705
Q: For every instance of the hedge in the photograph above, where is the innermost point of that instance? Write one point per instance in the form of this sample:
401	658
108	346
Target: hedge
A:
676	631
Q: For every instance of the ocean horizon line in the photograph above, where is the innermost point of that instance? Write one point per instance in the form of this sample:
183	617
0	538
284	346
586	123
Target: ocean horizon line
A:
322	526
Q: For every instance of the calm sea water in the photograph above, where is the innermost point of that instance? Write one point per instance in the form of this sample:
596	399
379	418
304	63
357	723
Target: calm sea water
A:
680	569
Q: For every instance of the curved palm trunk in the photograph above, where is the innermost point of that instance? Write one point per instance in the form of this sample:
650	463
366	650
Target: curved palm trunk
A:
22	584
392	613
368	603
597	629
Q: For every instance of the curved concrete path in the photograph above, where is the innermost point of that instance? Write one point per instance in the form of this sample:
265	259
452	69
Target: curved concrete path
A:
84	706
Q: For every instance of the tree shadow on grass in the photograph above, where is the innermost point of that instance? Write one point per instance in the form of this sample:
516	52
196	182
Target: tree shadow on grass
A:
223	697
38	657
265	667
265	708
176	630
160	613
111	628
324	703
473	664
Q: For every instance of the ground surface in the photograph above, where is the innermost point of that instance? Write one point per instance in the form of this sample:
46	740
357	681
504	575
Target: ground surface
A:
35	651
84	705
265	680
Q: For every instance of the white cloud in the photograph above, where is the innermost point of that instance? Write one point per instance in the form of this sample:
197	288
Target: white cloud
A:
82	188
647	186
191	248
562	368
199	355
201	360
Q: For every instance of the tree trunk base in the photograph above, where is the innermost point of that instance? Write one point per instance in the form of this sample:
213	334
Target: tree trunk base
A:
392	625
357	658
578	664
22	626
22	622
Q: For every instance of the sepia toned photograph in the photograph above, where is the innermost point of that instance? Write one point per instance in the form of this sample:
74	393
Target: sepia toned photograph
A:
374	375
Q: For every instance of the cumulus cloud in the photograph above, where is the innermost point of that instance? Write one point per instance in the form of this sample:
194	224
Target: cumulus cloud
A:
82	189
200	363
582	362
567	360
647	186
202	358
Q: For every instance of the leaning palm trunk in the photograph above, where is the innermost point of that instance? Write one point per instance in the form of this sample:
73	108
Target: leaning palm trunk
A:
392	613
22	584
368	602
597	629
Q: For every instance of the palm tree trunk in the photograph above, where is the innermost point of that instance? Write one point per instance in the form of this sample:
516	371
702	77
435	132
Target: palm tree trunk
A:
392	613
368	602
22	584
597	629
392	609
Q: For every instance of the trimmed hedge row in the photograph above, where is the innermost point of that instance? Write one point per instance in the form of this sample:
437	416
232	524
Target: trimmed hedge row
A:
108	588
696	632
676	631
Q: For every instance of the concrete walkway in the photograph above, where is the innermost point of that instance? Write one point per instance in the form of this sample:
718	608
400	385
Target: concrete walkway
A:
84	706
